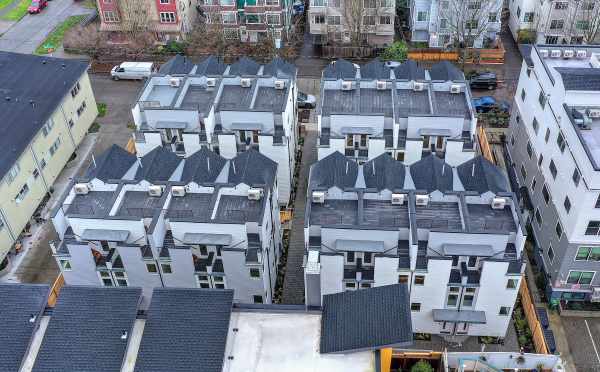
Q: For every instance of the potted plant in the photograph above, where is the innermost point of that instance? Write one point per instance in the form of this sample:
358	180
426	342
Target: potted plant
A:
422	366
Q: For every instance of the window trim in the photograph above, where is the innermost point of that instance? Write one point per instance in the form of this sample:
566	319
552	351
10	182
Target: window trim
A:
579	279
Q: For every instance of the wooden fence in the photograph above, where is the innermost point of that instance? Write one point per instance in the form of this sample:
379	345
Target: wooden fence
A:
55	290
537	332
492	56
484	145
331	51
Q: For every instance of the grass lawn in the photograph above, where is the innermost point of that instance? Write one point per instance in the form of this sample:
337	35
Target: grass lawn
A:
55	38
5	3
17	12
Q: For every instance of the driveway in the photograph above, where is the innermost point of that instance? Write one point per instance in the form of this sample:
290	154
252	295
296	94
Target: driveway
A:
583	335
27	34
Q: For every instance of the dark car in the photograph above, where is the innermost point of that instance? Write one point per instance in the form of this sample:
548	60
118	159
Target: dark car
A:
486	80
37	6
306	101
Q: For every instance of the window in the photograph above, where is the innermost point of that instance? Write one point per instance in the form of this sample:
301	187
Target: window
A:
164	1
535	125
493	17
110	16
218	282
202	281
166	268
333	3
42	163
334	20
366	285
472	261
81	109
105	278
588	254
528	17
443	23
35	173
551	39
512	140
538	217
550	253
547	135
422	16
546	194
523	172
367	257
518	11
512	283
319	19
576	177
22	193
65	264
419	280
121	278
523	94
474	5
557	24
580	277
71	123
588	5
167	17
370	4
452	300
567	204
13	172
350	257
257	299
255	273
445	4
504	311
593	228
272	2
561	5
230	34
558	229
385	20
470	290
317	2
540	160
529	150
402	278
151	267
542	99
387	3
560	141
54	147
553	169
228	18
582	25
533	184
369	20
47	127
454	261
468	300
273	19
597	202
472	24
415	306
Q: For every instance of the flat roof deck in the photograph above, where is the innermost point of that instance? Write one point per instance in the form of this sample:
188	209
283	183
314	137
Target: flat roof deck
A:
483	218
163	94
409	102
451	104
198	97
270	99
196	206
236	97
439	216
239	209
139	204
94	203
383	213
334	212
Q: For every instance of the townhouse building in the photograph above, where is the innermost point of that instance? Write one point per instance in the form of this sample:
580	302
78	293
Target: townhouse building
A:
226	108
344	21
249	20
442	23
46	109
165	19
554	22
164	221
452	233
406	112
553	144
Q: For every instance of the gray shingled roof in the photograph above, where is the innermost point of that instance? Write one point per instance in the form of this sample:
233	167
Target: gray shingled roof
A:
32	88
186	330
587	79
279	68
340	69
445	71
111	164
18	303
479	174
375	69
178	65
383	172
84	333
409	70
431	173
334	170
211	65
157	165
244	66
367	319
203	166
252	168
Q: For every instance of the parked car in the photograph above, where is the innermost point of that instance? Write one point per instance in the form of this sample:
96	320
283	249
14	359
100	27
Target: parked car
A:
392	64
489	103
306	101
37	6
486	80
132	70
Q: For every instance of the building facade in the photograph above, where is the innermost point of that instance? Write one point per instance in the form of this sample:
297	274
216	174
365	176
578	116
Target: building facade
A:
161	221
47	110
452	233
227	108
441	23
554	22
553	146
406	112
369	22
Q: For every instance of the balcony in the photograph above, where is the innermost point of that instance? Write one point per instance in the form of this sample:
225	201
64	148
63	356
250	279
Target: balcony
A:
317	28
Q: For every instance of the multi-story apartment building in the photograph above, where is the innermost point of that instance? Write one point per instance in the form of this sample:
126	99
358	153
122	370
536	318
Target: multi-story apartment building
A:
249	20
453	233
227	108
46	110
166	19
407	112
352	21
555	22
554	145
441	23
163	221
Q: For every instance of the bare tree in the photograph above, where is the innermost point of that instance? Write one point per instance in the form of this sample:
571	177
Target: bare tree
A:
354	13
590	20
134	17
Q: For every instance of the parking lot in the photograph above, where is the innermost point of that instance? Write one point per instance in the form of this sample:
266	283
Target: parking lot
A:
583	335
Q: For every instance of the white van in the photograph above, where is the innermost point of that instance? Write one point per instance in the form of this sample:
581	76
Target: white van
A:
132	70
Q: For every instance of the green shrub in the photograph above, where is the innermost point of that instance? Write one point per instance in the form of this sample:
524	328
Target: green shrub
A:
101	109
95	127
421	366
398	51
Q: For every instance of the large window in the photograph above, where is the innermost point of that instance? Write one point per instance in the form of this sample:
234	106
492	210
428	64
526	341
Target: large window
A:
110	17
273	19
105	278
317	2
334	20
557	24
370	4
388	3
422	16
593	228
588	254
385	20
167	17
369	20
561	5
121	278
538	217
528	17
580	277
319	19
22	193
415	306
228	18
582	25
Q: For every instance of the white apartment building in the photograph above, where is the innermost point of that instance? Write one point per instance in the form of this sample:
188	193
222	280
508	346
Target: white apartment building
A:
333	21
406	112
554	145
163	221
554	22
226	108
436	22
453	233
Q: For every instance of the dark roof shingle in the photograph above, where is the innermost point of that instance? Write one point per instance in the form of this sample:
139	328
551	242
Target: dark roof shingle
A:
334	170
178	65
279	68
445	71
432	173
340	69
479	174
409	70
383	172
252	168
244	66
375	69
203	166
157	165
587	79
111	164
211	65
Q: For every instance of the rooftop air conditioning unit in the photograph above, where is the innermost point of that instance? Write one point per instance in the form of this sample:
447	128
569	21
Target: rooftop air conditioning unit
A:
174	82
381	85
593	113
246	83
155	190
81	189
178	191
498	203
346	85
581	54
544	53
279	84
398	199
595	295
569	53
422	200
211	82
455	88
417	87
595	60
318	197
254	194
555	53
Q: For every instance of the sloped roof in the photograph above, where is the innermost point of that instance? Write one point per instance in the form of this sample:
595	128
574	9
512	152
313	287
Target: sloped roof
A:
19	302
244	66
340	69
445	71
334	170
383	172
479	174
375	69
111	164
157	165
367	319
279	68
431	173
186	330
178	65
252	168
587	79
409	70
203	166
211	65
84	333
